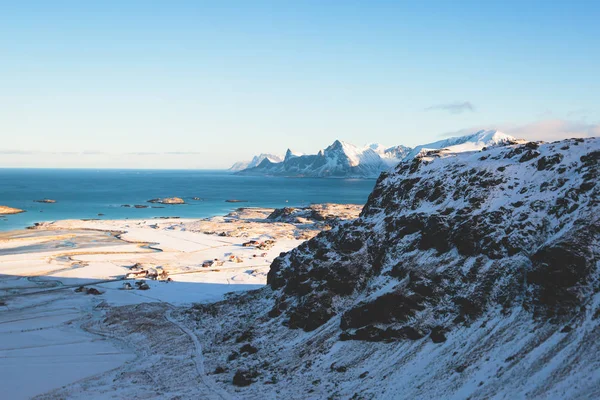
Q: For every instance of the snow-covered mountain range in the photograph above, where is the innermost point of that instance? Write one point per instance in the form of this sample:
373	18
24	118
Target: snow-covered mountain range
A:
344	160
467	275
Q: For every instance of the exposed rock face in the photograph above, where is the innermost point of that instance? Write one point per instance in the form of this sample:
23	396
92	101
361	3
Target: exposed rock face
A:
5	210
168	200
446	238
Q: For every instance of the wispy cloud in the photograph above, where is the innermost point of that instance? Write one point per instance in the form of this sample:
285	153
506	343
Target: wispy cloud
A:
60	153
16	152
96	153
184	153
165	153
454	108
553	129
143	153
547	130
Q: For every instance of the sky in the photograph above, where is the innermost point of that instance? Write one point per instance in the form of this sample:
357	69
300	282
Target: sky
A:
202	84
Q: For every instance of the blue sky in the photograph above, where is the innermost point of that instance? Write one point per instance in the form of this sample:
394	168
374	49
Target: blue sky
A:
199	84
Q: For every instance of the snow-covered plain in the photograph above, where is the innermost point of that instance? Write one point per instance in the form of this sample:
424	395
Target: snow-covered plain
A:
43	343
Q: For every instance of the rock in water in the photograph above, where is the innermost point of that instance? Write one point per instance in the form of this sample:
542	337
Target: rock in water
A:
5	210
168	200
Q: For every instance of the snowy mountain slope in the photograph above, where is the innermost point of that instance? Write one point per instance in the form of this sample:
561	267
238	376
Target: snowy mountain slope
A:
473	142
470	275
256	160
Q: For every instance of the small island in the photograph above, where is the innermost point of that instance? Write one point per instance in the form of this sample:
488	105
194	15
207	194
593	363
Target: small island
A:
5	210
49	201
168	200
236	201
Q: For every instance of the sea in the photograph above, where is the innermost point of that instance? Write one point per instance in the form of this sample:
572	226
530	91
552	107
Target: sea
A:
102	194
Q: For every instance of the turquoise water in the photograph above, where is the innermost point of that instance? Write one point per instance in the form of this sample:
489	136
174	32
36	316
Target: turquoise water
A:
87	193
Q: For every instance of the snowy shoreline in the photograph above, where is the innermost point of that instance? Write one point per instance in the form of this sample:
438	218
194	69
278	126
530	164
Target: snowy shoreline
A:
44	323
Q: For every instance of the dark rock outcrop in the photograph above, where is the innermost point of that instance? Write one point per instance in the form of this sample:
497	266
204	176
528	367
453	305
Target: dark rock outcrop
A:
244	377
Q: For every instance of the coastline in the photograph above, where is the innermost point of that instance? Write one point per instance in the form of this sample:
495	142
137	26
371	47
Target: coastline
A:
42	268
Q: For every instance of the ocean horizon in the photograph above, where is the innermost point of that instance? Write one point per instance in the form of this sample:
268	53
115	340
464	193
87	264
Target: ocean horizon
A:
103	193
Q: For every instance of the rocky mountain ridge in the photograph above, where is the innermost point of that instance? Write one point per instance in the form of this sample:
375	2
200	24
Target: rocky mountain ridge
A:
470	275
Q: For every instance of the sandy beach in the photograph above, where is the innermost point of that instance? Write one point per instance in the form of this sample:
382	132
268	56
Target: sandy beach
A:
48	273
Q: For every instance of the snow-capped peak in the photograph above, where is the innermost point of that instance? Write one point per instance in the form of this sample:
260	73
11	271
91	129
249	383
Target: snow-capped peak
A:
376	147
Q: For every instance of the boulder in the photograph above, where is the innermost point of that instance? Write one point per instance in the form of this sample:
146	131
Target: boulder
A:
244	377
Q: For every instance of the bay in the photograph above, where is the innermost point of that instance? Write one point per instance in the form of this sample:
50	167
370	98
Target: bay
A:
85	193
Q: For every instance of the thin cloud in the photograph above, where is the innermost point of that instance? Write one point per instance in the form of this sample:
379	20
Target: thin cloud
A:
184	153
453	108
553	129
58	153
97	153
165	153
17	152
143	153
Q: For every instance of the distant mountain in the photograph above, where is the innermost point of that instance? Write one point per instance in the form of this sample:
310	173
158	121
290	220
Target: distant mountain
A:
392	155
345	160
340	160
256	160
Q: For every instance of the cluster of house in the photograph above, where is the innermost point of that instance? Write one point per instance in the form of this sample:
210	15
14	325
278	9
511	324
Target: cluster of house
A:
138	271
212	263
266	245
237	259
141	285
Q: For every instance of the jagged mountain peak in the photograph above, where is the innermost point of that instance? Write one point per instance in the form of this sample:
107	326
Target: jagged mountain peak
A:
289	154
